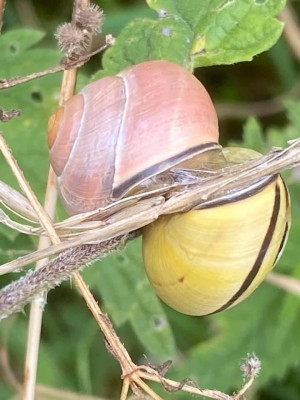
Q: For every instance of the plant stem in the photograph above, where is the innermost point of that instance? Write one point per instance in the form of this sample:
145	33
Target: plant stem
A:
284	282
37	307
45	215
7	83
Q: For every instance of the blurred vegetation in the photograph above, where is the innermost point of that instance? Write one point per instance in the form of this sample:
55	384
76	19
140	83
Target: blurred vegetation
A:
72	354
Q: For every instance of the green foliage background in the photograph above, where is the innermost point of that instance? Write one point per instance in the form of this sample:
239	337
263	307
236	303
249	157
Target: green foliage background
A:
194	34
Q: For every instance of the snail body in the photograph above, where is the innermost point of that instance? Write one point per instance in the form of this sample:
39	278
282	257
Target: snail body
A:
122	130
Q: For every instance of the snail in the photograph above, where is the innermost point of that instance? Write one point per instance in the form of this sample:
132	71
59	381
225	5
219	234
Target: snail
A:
157	106
120	131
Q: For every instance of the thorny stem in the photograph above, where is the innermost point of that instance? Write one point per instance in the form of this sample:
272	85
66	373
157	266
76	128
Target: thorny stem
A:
16	295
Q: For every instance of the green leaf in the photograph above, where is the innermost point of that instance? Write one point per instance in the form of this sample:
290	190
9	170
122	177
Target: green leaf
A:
27	135
287	315
287	68
37	99
15	42
247	328
193	33
122	282
293	113
13	244
226	31
253	136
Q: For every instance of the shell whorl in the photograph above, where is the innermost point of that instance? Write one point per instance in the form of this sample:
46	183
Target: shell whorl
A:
127	128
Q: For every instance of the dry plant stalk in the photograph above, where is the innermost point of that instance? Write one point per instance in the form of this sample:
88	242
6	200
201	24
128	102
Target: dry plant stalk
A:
131	214
45	216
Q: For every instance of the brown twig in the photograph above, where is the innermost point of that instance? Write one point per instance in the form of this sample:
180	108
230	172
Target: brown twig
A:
67	65
151	374
6	116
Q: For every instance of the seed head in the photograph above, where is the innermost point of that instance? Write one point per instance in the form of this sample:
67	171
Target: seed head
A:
72	41
251	366
90	18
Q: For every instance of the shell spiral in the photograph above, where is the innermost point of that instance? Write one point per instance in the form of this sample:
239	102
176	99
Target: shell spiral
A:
123	129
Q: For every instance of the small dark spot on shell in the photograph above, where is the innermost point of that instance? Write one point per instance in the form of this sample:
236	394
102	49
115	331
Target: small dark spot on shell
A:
181	280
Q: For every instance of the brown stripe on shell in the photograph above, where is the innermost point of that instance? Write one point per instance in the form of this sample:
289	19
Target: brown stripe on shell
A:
120	190
257	186
261	255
